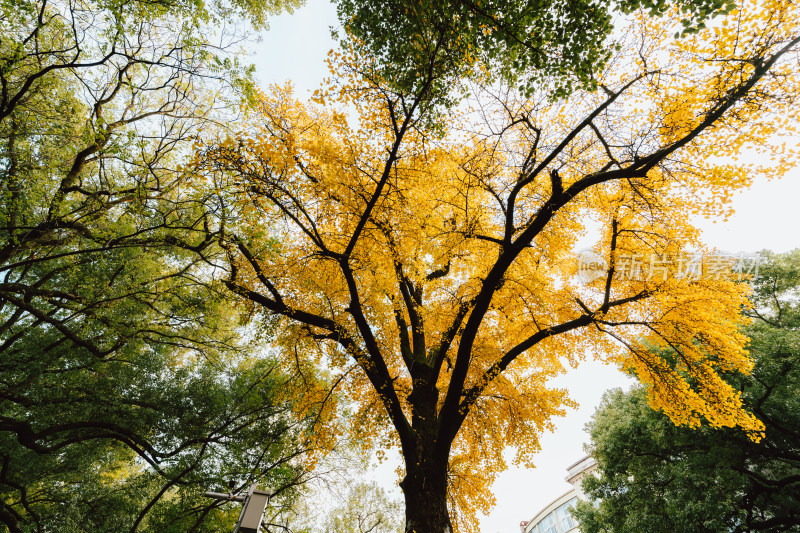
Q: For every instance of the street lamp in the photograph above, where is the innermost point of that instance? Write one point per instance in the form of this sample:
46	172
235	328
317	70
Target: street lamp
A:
255	503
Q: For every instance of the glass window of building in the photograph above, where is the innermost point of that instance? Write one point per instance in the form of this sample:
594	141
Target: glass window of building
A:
563	516
548	524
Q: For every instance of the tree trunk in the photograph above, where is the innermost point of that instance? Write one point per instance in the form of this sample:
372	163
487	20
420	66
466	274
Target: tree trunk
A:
425	491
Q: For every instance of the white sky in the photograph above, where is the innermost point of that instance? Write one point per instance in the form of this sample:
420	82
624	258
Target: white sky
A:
766	217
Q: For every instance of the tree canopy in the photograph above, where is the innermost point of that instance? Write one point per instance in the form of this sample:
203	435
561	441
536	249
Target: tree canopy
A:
433	270
654	476
365	508
562	45
126	384
416	256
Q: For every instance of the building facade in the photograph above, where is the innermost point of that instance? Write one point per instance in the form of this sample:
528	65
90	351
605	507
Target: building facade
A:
556	517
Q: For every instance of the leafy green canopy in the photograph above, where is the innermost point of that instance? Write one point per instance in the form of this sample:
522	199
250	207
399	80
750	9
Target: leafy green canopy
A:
126	388
654	476
131	448
521	42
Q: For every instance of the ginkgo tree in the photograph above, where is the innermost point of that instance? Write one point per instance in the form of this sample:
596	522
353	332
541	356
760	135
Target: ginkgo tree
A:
431	263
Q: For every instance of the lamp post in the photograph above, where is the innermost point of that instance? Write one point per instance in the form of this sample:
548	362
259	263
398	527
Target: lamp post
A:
255	503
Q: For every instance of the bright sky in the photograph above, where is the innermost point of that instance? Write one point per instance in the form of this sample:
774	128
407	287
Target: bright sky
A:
767	217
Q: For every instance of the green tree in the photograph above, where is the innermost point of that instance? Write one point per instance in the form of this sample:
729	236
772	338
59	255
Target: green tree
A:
366	508
126	386
339	498
654	476
169	435
562	45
